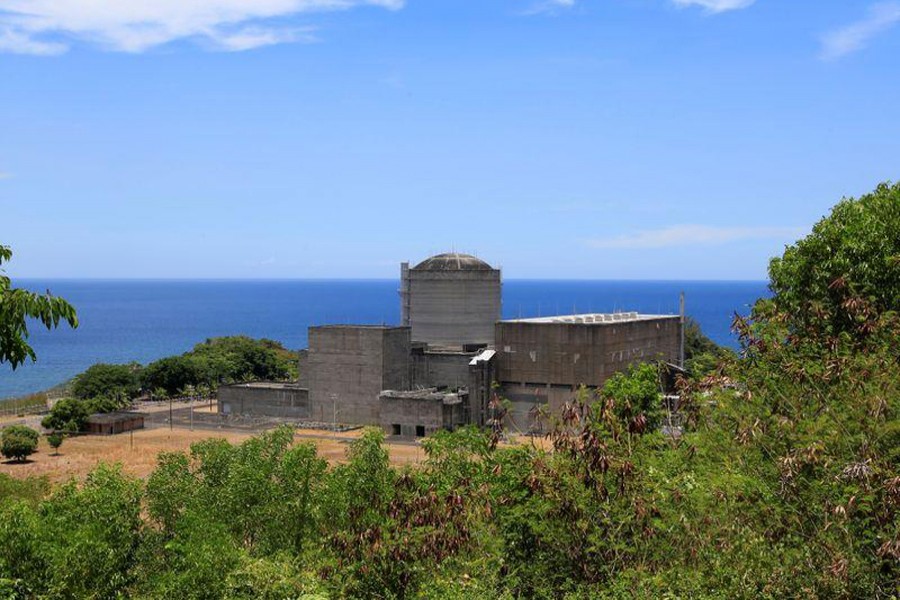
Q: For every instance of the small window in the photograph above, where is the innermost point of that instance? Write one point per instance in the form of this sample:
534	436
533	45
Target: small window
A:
396	429
420	431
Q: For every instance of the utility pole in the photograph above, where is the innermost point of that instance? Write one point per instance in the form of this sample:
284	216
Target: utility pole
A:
334	415
170	413
681	343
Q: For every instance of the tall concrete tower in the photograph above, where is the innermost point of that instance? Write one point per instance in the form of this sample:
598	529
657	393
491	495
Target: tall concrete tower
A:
450	300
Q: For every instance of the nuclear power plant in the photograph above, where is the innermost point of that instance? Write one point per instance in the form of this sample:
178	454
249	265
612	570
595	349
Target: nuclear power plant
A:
450	299
450	354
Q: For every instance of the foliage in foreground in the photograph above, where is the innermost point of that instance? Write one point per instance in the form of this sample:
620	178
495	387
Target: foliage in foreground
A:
18	307
781	486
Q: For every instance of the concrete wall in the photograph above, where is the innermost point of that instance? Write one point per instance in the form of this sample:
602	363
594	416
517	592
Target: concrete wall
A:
482	376
570	354
451	307
303	368
441	369
279	400
349	365
410	413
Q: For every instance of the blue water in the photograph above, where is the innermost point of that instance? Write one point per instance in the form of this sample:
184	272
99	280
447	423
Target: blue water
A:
124	321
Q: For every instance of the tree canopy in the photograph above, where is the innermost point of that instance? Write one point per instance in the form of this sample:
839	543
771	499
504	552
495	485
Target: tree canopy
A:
18	442
17	307
851	255
221	360
108	381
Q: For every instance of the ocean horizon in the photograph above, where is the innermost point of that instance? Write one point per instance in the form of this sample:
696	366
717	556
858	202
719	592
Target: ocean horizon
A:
141	320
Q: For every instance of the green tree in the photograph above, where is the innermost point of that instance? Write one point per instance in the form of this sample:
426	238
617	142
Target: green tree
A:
240	358
55	440
109	381
172	374
851	254
17	307
79	543
68	414
636	397
18	442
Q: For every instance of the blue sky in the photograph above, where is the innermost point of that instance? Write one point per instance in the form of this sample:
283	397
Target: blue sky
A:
635	139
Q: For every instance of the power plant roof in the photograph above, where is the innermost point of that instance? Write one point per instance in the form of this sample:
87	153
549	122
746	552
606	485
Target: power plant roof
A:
592	318
453	261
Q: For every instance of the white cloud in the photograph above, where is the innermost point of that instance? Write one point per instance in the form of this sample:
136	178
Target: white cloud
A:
50	26
4	175
549	7
715	6
694	235
880	18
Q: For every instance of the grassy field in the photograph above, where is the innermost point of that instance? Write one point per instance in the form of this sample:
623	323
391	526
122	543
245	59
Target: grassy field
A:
13	407
79	455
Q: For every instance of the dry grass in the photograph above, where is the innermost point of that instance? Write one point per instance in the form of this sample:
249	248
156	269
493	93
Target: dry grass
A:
78	456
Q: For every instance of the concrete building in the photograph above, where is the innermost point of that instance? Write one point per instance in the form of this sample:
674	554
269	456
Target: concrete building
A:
450	300
543	360
441	367
349	365
264	398
417	413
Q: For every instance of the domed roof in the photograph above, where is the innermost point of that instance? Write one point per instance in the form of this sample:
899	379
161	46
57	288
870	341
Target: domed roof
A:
453	261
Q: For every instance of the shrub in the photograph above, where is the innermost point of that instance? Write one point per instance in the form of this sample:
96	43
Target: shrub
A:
19	442
55	440
68	414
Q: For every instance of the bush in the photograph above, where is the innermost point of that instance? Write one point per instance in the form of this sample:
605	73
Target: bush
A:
68	414
29	490
852	253
636	396
55	440
109	381
18	442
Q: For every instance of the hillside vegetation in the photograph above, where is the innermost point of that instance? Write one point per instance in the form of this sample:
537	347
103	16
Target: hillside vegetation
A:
224	360
784	484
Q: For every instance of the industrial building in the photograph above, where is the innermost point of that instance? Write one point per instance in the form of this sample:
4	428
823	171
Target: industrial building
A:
450	355
450	299
543	360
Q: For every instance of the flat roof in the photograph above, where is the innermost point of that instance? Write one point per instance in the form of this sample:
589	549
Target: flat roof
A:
362	326
592	318
113	417
267	385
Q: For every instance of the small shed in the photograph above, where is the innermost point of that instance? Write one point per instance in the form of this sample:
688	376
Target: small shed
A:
114	422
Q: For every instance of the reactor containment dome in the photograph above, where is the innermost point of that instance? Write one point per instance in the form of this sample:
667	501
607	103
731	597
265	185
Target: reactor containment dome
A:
450	299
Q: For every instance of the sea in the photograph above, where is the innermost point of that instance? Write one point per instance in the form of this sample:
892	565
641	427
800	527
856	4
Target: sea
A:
142	320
